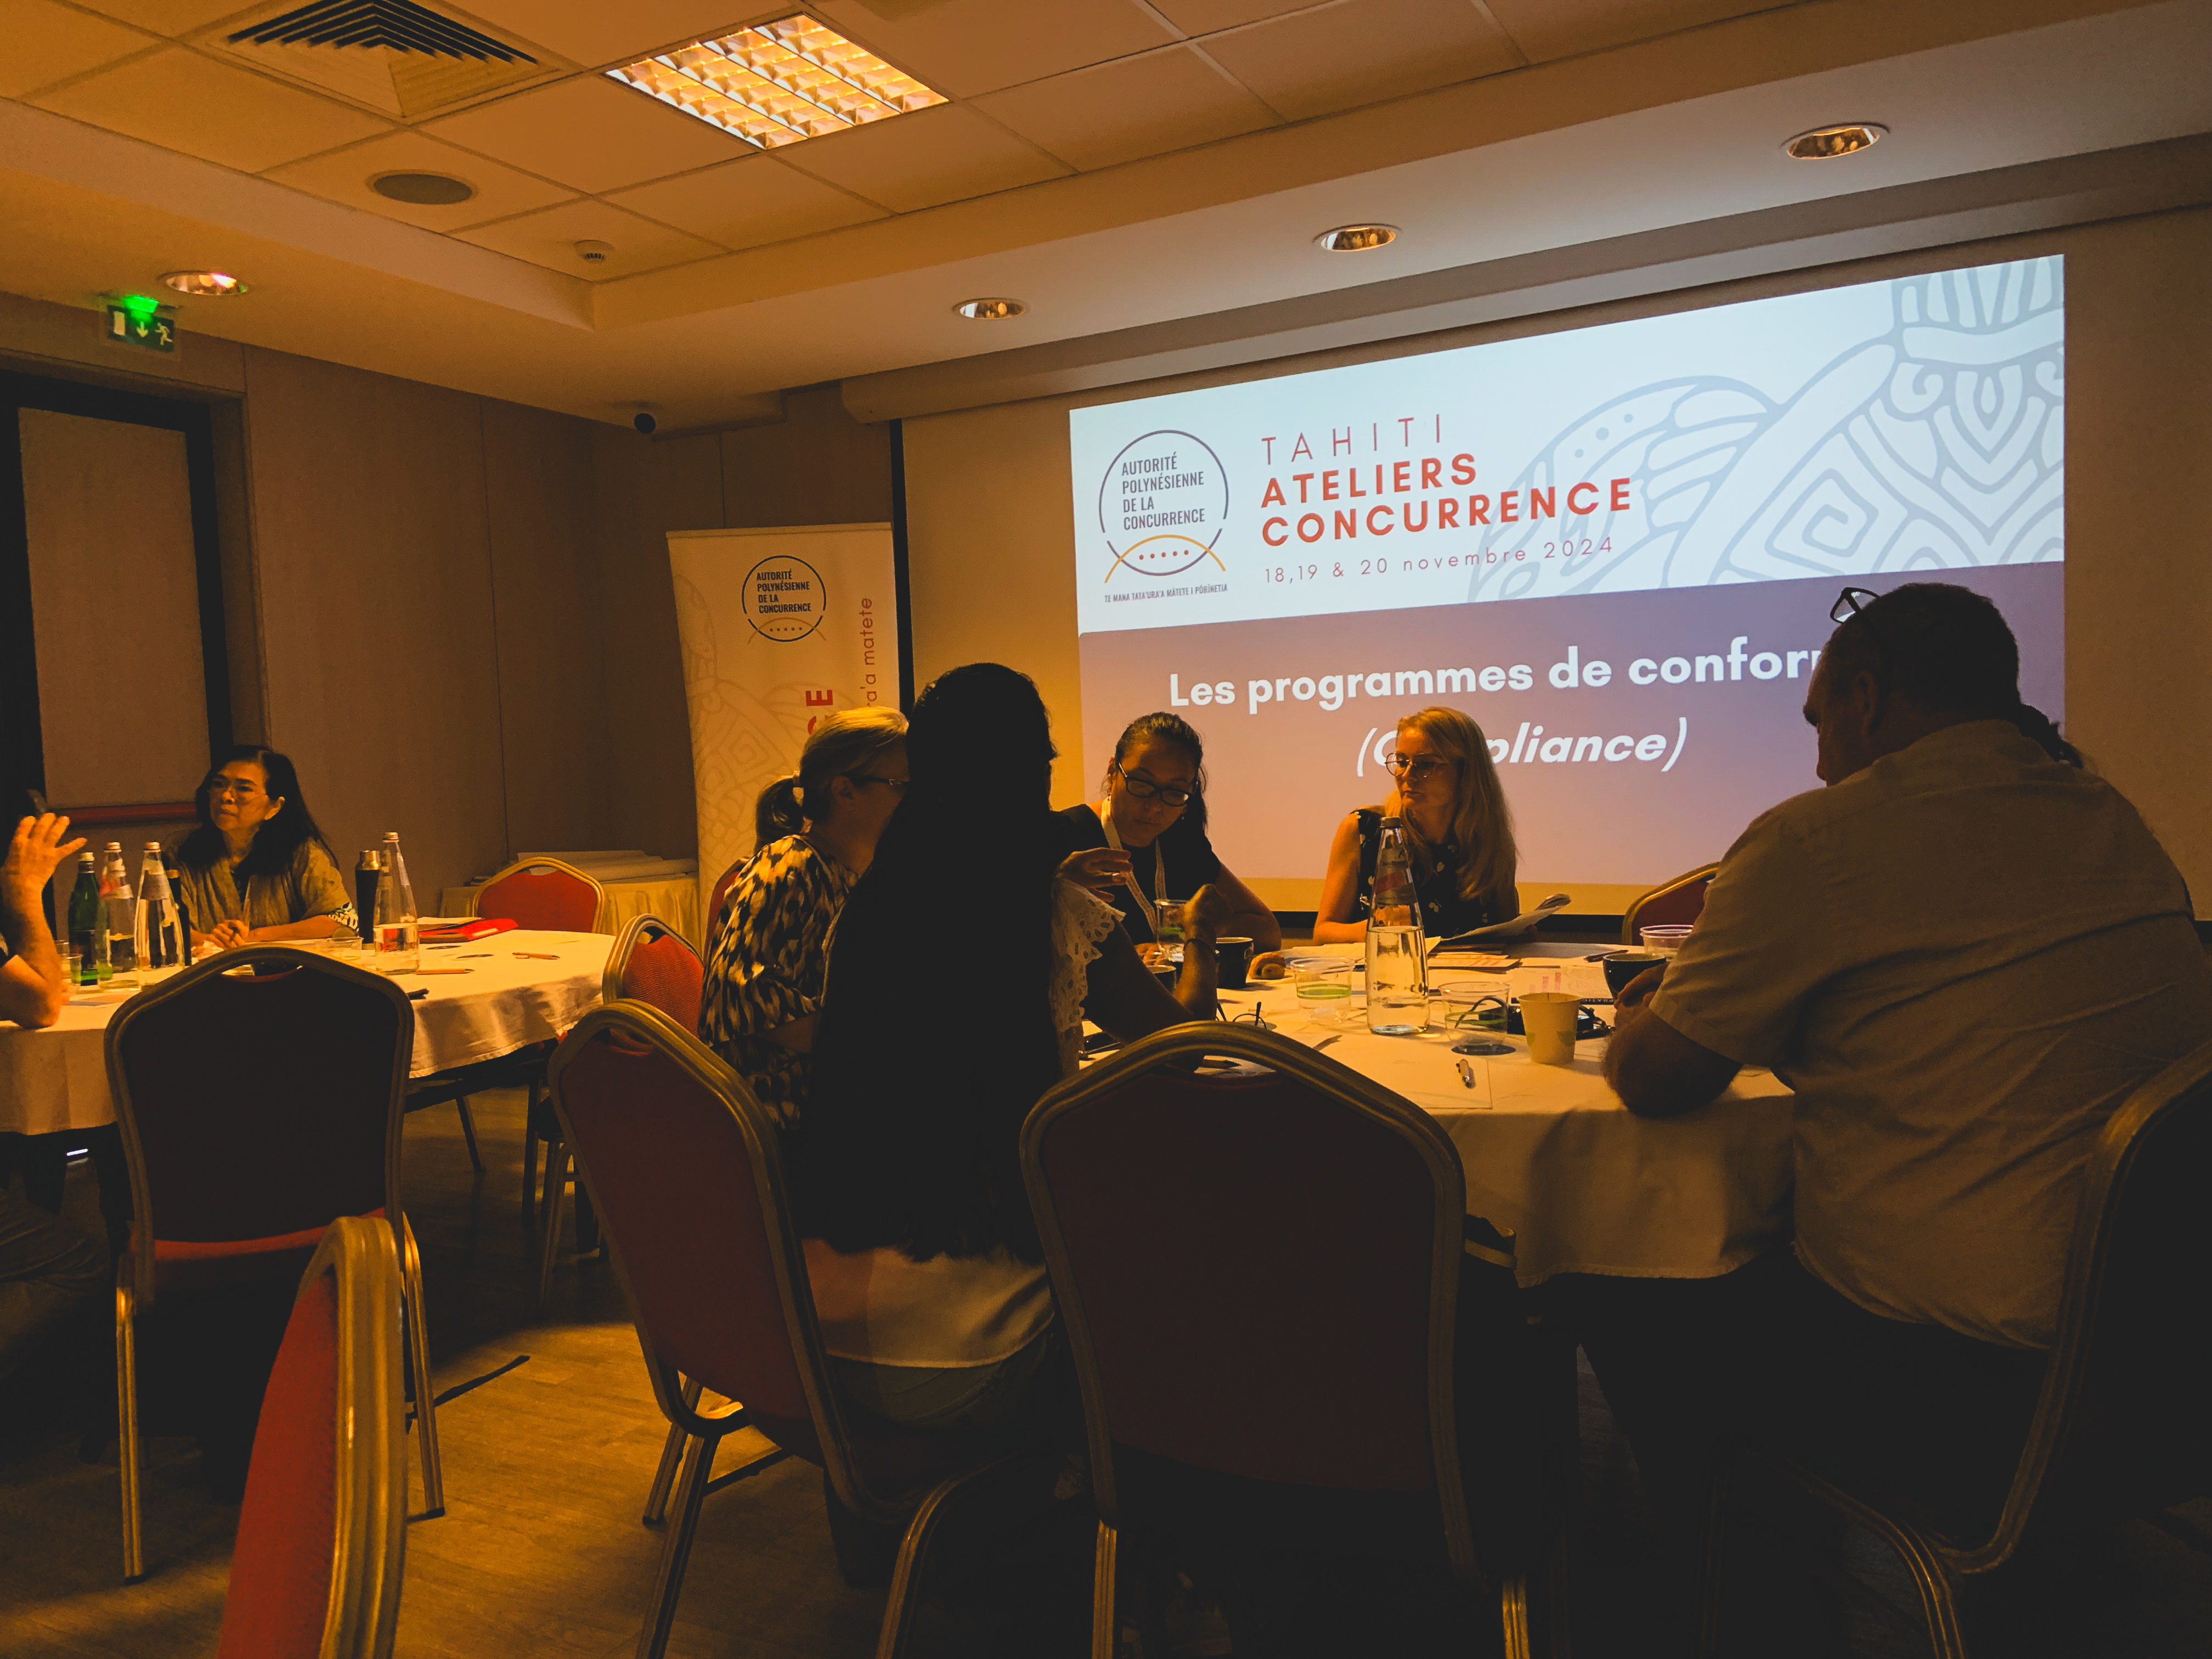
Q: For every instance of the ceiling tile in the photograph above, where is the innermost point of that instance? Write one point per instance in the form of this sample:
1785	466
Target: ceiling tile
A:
184	101
591	134
963	47
1561	28
943	154
167	16
549	237
47	43
344	176
1204	16
1134	106
593	32
745	203
1361	51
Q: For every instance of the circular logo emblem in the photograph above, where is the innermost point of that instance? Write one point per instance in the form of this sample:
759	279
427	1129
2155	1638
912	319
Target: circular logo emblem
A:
1162	505
784	599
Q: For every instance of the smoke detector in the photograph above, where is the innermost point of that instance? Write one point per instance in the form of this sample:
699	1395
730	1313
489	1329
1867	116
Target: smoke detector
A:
594	253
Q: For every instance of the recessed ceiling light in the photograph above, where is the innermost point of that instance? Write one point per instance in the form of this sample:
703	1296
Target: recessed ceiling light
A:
777	83
1357	239
990	311
1826	143
213	285
422	189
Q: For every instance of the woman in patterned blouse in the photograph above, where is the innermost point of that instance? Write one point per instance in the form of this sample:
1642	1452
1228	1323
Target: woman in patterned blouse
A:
817	832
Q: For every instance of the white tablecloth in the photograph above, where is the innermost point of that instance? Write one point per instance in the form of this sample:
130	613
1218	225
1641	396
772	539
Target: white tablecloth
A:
1550	1151
57	1079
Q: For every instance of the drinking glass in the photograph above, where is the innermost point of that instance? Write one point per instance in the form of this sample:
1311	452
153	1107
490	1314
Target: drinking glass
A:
398	947
1397	982
1669	939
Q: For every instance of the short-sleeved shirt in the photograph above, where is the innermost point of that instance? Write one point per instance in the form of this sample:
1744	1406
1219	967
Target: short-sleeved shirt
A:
310	886
1189	858
1445	910
1963	959
770	966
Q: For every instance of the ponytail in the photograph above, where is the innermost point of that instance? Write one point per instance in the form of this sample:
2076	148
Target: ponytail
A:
778	812
840	745
2037	727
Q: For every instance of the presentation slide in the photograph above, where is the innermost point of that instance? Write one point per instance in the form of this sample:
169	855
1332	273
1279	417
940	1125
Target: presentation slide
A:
1615	548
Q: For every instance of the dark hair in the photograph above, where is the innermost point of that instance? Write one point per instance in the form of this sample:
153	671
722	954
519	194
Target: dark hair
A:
838	747
910	1135
1163	727
1948	650
279	839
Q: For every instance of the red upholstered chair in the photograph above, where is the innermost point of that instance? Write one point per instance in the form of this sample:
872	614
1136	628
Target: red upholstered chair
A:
322	1537
718	901
1258	1274
684	1165
259	1095
544	895
1676	903
651	962
2134	1336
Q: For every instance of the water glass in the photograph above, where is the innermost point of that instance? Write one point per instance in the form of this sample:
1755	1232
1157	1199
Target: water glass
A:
1397	982
398	947
72	965
1667	939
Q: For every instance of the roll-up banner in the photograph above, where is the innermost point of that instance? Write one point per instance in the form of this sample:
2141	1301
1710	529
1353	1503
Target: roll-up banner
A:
780	628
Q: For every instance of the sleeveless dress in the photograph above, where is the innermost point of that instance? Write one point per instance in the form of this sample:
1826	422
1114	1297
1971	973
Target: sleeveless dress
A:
1443	912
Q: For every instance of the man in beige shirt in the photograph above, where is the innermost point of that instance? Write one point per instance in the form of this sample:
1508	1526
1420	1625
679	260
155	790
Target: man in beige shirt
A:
1963	955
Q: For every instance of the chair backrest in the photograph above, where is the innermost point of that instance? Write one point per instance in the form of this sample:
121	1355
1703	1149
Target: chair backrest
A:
1240	1258
544	895
651	962
684	1170
259	1094
322	1536
1676	903
2135	1324
718	901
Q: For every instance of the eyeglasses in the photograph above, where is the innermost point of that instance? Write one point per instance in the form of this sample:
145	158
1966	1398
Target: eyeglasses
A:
1850	603
1167	794
1415	766
897	785
241	788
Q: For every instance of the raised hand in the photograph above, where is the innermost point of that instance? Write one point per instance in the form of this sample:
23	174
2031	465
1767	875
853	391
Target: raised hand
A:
1204	913
1098	868
34	854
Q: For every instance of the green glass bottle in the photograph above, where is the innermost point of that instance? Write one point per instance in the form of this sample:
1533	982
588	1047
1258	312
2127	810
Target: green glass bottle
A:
88	924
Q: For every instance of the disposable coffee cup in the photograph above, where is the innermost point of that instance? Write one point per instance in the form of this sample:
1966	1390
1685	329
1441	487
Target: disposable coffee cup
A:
1233	956
1626	965
1548	1016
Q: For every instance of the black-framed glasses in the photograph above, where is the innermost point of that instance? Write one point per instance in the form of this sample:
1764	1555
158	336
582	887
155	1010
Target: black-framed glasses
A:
1167	794
1850	603
1414	766
897	785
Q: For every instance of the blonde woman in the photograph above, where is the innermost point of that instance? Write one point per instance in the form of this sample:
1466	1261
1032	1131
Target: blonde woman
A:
1453	808
817	830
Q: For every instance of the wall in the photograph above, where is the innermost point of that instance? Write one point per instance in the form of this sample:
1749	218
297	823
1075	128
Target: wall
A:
991	548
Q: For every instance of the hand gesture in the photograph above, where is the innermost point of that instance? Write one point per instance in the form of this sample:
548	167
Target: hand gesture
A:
34	854
1203	914
1098	868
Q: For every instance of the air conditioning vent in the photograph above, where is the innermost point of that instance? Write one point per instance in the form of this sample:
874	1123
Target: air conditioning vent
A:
393	55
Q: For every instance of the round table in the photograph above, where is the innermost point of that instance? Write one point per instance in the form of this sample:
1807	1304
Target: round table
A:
1549	1151
56	1078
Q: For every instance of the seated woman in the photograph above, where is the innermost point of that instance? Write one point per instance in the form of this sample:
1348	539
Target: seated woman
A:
256	869
1453	808
927	1273
816	831
1154	813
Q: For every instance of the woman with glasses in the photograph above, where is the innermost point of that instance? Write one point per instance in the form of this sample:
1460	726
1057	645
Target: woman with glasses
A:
1144	845
1453	808
816	832
256	869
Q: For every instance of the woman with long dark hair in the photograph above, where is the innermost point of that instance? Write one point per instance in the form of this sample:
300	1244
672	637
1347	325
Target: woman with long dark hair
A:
256	868
1146	837
927	1271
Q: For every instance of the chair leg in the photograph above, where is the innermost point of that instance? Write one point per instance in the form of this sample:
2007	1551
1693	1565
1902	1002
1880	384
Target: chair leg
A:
426	1411
1513	1606
676	1553
556	1186
469	1130
529	1173
672	1456
1938	1602
126	1412
914	1546
1103	1566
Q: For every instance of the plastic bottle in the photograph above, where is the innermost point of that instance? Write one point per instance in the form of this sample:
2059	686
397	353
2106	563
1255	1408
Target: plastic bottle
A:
122	915
88	924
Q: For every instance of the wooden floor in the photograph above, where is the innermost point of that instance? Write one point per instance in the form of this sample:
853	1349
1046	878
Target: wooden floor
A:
547	1466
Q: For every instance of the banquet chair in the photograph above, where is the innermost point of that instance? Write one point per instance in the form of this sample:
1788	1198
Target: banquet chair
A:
651	962
1678	903
544	895
1259	1275
322	1536
260	1095
686	1171
2113	1438
718	901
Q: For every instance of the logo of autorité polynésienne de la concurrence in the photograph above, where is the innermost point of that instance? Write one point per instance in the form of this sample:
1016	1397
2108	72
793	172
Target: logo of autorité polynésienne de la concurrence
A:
1162	505
784	599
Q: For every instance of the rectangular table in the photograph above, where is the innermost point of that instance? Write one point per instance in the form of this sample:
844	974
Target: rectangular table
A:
56	1078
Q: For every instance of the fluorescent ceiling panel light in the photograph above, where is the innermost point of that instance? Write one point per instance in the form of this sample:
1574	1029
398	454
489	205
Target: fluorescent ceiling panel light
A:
777	83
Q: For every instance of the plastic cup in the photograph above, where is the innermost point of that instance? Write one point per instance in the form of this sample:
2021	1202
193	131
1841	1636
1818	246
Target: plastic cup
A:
1668	938
1549	1017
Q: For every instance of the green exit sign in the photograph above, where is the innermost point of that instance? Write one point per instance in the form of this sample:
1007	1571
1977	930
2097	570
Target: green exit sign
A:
134	326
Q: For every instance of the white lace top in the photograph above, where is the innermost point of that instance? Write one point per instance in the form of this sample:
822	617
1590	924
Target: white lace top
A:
880	1307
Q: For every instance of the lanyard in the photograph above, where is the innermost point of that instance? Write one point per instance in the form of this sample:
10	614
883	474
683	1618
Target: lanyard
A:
1152	907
